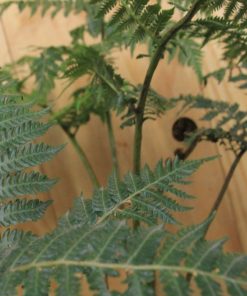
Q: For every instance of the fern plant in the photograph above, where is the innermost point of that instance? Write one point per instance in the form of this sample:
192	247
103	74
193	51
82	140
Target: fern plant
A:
19	126
122	232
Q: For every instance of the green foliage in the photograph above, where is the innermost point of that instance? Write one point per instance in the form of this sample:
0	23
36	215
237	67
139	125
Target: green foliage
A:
141	197
106	88
89	246
189	53
21	211
142	20
19	125
96	239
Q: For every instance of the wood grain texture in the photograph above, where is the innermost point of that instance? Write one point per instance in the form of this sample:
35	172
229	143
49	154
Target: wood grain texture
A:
19	31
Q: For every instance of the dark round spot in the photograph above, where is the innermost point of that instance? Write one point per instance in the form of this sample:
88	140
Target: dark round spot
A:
182	127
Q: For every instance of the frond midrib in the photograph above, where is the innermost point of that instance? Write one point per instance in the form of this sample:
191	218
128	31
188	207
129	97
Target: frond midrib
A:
129	267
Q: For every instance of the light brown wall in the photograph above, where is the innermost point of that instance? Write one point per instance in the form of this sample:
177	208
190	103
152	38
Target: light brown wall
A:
18	31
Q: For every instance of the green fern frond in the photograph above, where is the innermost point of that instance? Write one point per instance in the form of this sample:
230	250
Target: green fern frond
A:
45	68
231	33
22	134
145	197
19	117
139	18
105	90
11	237
106	6
27	156
19	125
24	184
111	247
190	54
19	211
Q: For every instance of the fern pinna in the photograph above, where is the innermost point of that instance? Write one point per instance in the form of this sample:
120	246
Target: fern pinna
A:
92	241
19	186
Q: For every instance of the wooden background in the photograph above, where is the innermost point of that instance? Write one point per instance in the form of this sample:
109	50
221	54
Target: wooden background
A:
19	31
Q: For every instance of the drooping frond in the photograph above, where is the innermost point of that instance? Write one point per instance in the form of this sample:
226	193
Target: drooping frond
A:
229	122
95	249
19	126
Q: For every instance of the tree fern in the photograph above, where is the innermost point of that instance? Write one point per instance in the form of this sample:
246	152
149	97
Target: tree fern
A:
95	239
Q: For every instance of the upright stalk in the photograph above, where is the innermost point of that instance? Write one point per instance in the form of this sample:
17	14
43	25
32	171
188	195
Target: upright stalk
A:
84	160
148	78
112	142
224	187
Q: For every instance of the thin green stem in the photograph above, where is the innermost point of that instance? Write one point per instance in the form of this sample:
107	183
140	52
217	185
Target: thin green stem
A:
224	187
84	160
81	153
112	142
148	78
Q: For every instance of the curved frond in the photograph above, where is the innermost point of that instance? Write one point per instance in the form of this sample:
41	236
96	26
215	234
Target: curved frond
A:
103	248
19	126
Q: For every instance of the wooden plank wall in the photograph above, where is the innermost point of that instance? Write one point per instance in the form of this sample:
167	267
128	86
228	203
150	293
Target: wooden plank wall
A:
19	31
